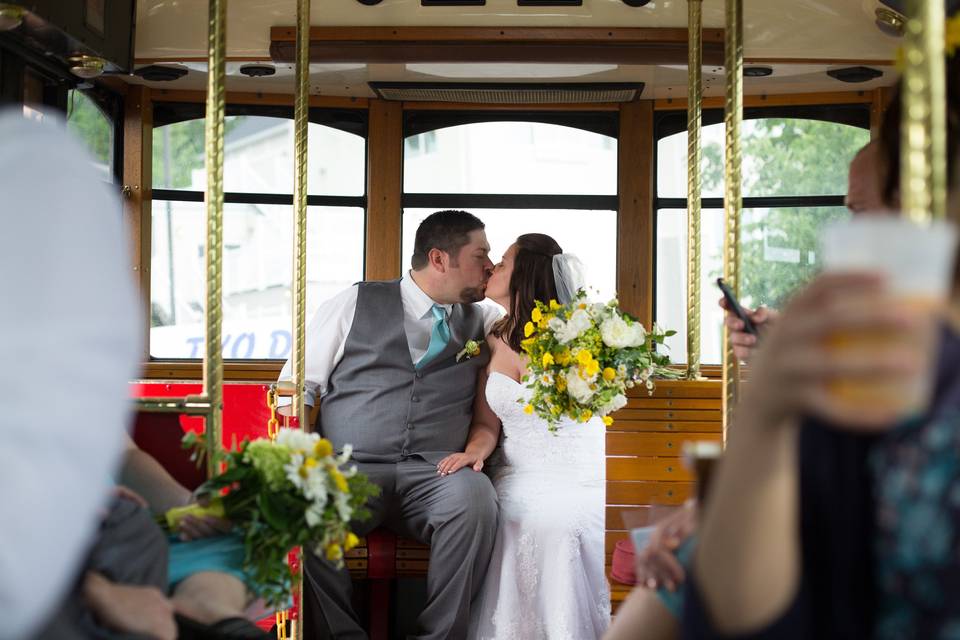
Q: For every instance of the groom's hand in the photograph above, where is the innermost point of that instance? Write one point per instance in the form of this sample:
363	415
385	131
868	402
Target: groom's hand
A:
456	461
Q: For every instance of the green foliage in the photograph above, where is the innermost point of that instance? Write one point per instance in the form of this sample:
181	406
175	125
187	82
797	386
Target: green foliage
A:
292	492
91	125
786	157
173	167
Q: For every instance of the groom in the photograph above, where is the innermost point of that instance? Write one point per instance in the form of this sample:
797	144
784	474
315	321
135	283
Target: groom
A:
384	360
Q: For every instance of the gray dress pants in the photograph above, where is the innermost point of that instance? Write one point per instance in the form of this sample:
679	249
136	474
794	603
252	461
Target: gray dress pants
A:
456	515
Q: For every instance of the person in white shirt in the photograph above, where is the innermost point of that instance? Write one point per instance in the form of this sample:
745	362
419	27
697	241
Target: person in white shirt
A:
394	367
69	344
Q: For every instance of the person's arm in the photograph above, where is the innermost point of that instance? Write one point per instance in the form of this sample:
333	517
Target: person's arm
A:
483	436
144	475
747	563
643	616
133	609
326	338
141	473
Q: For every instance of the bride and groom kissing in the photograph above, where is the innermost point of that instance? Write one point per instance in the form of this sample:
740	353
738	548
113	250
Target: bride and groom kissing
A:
516	551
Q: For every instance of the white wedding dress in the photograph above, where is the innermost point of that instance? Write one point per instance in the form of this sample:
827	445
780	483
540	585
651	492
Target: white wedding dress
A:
546	577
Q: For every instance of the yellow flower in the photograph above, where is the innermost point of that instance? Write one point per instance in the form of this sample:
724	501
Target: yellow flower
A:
528	330
547	359
607	420
952	33
593	368
323	448
561	384
526	344
584	357
563	358
609	374
536	315
554	305
528	409
582	305
351	541
585	415
334	552
339	480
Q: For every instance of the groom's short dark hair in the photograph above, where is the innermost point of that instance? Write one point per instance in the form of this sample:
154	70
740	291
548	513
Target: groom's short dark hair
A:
447	230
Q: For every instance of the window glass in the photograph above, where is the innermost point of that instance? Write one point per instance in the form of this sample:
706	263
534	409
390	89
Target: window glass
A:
591	235
778	254
257	265
781	157
93	128
258	157
510	157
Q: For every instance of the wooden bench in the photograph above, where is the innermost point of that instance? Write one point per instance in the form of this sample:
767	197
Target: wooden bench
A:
644	448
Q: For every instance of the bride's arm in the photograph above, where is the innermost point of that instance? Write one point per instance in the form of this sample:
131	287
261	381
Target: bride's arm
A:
484	433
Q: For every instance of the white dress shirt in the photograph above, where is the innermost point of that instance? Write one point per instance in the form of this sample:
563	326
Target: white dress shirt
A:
69	345
327	332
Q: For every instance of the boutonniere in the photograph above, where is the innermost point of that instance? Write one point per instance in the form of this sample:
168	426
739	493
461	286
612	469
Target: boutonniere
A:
469	350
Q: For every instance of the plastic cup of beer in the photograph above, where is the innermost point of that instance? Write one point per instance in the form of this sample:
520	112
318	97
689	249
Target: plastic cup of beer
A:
916	262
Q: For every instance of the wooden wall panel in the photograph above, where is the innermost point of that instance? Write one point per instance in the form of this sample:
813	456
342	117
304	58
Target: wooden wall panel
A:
137	183
635	215
384	186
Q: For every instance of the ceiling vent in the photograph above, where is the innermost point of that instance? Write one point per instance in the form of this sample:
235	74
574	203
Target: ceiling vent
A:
855	74
507	93
161	73
757	71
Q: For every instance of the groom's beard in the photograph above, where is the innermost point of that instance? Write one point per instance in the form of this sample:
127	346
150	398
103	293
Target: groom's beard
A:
470	295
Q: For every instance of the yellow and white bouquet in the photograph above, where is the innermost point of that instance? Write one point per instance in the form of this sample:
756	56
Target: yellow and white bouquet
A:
584	356
280	494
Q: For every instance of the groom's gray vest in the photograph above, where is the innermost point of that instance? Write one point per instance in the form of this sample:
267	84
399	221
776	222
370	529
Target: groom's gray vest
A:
376	399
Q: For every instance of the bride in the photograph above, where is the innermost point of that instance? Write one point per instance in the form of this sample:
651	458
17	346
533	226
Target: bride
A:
546	575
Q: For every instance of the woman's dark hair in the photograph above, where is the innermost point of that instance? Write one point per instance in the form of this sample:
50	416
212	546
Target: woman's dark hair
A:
531	280
447	230
889	134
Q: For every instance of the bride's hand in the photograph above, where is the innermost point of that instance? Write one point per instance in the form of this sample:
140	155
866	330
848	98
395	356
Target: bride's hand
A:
456	461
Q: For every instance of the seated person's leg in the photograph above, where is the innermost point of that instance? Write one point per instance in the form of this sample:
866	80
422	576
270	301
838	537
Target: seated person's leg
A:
457	515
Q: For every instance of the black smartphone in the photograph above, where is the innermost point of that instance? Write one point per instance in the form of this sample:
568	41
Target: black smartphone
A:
734	306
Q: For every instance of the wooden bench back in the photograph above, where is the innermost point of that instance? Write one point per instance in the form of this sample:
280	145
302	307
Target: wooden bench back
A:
644	448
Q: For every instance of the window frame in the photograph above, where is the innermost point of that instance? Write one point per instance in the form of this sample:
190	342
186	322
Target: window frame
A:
168	113
670	122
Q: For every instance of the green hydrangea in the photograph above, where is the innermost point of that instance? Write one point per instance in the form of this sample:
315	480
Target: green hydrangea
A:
269	459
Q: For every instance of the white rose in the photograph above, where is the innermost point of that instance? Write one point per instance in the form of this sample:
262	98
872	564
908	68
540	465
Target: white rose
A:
619	401
578	388
617	333
639	335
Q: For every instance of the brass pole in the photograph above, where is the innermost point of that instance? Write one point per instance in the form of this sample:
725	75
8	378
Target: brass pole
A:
213	313
923	157
694	127
299	295
299	288
733	117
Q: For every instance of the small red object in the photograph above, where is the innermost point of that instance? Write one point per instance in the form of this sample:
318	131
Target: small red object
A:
623	569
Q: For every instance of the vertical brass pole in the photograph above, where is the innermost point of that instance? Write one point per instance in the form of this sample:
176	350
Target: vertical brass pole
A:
733	117
694	127
213	314
923	157
299	297
300	124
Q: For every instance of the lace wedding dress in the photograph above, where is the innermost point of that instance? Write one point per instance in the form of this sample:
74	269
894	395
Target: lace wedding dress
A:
546	576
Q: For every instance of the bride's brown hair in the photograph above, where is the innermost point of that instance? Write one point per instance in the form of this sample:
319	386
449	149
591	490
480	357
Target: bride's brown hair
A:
531	280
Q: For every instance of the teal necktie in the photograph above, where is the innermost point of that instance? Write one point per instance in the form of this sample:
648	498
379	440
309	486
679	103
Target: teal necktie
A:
439	336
